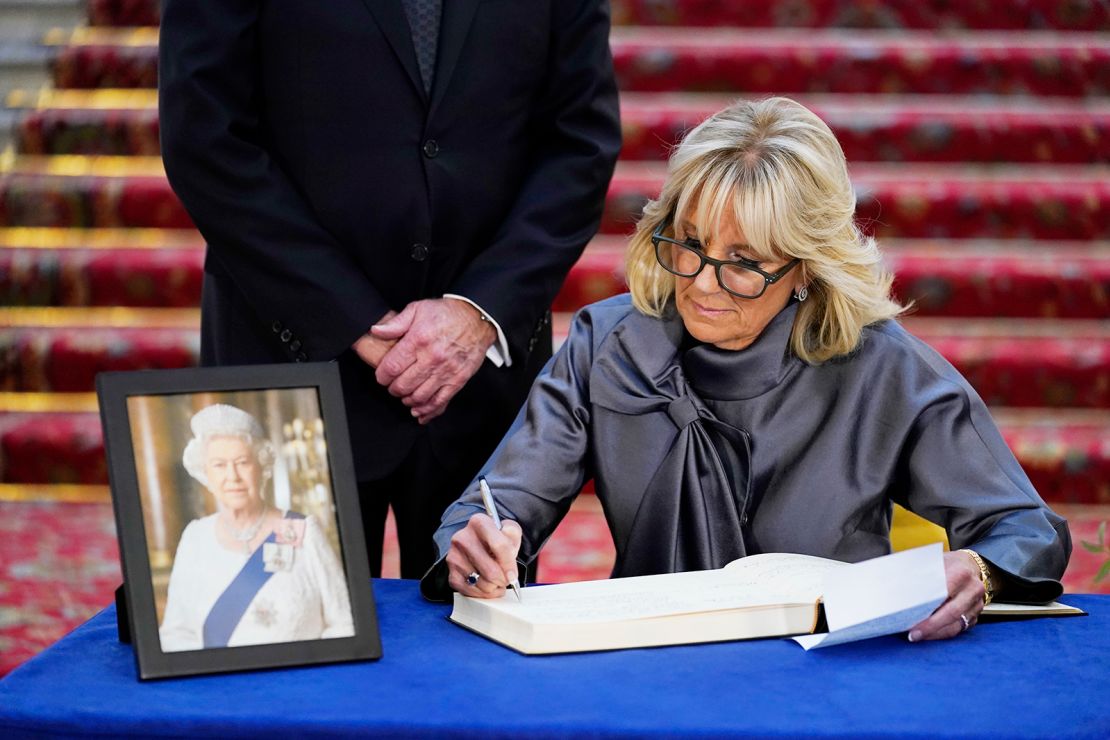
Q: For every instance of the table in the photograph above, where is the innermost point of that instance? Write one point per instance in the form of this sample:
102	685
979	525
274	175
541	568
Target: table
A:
1020	679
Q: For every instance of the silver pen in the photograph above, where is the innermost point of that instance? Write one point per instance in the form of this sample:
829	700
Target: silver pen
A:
491	510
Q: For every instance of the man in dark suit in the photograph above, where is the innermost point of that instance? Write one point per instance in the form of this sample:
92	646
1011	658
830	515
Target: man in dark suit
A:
432	172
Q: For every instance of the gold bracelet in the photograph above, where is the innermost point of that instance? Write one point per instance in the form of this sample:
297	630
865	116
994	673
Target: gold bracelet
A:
984	576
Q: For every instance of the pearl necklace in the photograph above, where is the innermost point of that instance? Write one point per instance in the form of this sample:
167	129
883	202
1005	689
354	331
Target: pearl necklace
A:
248	533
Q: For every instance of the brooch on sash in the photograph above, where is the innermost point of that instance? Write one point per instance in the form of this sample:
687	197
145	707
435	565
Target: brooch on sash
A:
277	557
290	532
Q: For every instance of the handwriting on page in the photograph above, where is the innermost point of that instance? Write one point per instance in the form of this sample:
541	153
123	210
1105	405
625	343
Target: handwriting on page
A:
789	576
650	596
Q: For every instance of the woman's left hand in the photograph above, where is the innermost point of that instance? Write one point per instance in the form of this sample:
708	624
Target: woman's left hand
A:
965	600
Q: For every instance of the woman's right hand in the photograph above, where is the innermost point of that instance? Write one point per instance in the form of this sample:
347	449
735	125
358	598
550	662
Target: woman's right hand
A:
480	548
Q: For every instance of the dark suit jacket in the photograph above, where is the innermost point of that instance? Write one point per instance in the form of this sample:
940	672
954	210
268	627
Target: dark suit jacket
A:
330	188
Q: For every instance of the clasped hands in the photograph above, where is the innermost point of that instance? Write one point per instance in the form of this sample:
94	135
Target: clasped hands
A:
426	353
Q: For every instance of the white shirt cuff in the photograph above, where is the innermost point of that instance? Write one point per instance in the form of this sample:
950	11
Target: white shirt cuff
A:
498	352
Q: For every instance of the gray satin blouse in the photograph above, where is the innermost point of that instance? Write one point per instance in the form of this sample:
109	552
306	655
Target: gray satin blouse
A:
701	455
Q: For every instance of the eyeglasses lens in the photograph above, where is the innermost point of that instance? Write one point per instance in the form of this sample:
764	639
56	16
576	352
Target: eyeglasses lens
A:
687	262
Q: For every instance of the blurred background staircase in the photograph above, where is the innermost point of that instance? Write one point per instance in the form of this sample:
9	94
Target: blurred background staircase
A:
979	139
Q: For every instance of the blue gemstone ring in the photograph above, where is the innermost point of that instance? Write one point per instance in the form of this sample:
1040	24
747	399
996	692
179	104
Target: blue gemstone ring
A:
472	579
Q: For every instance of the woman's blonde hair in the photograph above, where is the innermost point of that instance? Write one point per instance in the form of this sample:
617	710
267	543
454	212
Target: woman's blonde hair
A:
778	170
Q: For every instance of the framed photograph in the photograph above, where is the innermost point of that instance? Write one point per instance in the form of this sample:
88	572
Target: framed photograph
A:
238	518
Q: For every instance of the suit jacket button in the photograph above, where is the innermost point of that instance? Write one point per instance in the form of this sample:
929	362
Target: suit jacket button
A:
286	335
276	326
301	357
431	148
295	345
419	253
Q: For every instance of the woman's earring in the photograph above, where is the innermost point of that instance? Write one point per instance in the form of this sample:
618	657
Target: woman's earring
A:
802	294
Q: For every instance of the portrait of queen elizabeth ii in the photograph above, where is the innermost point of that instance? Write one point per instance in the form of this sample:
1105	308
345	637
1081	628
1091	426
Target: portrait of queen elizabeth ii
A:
250	573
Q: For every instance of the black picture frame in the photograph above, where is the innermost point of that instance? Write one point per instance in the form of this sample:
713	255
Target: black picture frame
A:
114	391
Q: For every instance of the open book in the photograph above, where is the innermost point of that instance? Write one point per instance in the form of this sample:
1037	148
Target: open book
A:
768	595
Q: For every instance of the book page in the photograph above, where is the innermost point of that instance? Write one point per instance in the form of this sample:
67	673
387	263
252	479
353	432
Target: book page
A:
789	576
888	624
1049	609
881	596
645	597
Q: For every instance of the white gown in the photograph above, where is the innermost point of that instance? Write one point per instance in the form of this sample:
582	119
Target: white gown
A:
307	602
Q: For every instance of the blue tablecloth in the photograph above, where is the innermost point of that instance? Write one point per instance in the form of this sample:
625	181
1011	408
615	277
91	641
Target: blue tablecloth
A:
1043	678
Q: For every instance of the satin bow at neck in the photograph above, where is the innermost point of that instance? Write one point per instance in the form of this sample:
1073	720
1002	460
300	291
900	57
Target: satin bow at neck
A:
734	375
692	513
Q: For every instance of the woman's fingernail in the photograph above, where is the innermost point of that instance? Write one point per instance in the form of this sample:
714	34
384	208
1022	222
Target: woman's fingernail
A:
915	636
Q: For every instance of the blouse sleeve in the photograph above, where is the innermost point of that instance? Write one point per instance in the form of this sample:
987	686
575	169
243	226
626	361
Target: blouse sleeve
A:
328	572
540	464
962	475
180	630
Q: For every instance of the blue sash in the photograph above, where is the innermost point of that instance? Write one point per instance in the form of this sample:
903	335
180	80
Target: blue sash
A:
233	602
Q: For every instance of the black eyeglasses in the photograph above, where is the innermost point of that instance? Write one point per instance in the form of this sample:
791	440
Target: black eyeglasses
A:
741	278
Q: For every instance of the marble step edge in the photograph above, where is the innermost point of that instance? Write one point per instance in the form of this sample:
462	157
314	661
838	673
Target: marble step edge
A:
644	103
115	317
49	238
699	37
114	166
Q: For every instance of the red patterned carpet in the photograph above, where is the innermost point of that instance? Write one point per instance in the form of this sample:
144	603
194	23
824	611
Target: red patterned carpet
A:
59	564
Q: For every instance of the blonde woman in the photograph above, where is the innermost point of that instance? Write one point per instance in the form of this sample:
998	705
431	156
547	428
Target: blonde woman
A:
755	393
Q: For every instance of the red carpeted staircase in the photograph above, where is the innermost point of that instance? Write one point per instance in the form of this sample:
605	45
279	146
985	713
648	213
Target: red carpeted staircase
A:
979	140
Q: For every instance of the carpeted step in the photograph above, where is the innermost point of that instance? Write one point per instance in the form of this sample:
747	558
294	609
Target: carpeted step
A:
942	277
104	57
895	200
163	269
47	438
1064	453
87	131
51	438
935	201
729	59
1002	279
76	191
62	350
1023	363
840	61
124	12
1010	362
912	128
101	267
1077	15
870	128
